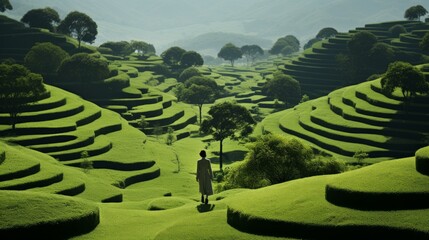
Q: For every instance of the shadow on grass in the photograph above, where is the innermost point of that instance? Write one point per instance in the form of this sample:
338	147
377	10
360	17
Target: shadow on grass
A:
202	208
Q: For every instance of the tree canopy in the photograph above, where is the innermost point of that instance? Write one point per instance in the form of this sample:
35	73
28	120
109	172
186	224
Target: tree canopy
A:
5	5
405	76
290	42
283	87
191	58
45	58
18	87
188	73
415	12
230	52
251	52
173	55
310	42
80	26
143	47
42	18
361	43
326	33
83	68
227	120
396	30
121	48
199	90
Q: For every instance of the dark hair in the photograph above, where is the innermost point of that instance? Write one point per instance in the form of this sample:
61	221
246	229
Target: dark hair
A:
203	153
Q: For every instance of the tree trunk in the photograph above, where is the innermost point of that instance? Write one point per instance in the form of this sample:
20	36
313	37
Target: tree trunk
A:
232	63
200	106
220	155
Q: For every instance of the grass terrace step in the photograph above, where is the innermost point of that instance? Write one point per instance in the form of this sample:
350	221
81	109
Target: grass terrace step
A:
29	215
324	116
17	165
101	145
69	186
383	186
299	209
83	138
46	176
129	102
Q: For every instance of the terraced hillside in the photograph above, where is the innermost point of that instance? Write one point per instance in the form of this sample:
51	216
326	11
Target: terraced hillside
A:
387	200
63	126
358	118
317	69
16	39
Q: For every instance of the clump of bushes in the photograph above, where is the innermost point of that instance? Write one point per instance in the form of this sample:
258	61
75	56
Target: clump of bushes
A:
275	159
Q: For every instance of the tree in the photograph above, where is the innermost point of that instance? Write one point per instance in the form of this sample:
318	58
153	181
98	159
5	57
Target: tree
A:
415	12
5	5
191	58
199	90
173	55
18	87
361	43
424	44
230	52
380	55
289	41
310	42
284	88
80	26
45	58
228	120
396	30
82	69
121	48
42	18
188	73
251	52
405	76
326	33
143	47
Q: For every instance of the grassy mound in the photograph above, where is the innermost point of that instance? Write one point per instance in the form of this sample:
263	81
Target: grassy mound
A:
299	208
357	118
27	215
167	203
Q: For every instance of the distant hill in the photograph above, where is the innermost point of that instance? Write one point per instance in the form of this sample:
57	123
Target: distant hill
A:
210	43
167	21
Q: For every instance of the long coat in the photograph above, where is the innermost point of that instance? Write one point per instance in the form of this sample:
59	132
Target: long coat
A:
204	176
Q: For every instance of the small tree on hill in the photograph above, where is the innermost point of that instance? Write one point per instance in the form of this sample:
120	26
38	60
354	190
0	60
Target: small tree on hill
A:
251	52
18	87
82	69
289	41
191	58
199	90
230	52
121	48
42	18
5	5
188	73
228	120
310	42
143	47
415	12
326	33
396	30
284	88
45	58
172	56
405	76
80	26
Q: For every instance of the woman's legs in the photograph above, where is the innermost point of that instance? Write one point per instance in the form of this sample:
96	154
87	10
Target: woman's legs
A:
207	199
202	198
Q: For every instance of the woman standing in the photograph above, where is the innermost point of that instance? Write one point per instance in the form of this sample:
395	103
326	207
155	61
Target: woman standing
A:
204	177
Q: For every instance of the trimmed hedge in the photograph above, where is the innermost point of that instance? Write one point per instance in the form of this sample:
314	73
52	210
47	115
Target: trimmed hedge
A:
272	227
422	160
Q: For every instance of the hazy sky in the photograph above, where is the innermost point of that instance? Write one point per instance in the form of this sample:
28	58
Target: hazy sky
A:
162	22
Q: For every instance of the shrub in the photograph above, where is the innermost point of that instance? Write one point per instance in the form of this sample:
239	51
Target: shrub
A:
396	30
188	73
2	157
86	164
83	68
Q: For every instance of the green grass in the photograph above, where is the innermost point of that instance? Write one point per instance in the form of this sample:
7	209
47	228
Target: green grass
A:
35	215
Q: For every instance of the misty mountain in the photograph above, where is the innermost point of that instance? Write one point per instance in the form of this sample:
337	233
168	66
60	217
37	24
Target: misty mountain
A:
165	22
